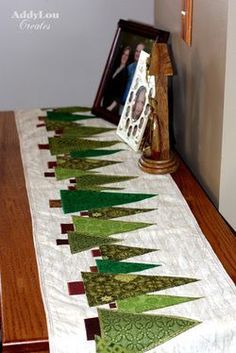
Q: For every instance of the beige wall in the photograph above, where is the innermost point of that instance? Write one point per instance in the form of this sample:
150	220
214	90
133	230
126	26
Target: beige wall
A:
62	65
228	164
199	85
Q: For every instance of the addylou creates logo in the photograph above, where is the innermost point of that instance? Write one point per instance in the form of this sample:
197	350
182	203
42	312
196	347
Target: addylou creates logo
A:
35	20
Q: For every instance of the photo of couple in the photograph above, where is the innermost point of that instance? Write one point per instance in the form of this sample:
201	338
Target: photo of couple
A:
130	40
121	78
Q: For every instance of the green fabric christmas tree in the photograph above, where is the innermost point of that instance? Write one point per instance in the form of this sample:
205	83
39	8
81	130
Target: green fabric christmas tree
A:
148	302
73	167
114	212
105	227
52	125
67	116
69	128
140	332
92	153
83	200
64	173
104	288
60	145
115	267
96	187
84	131
75	109
122	252
88	181
83	163
85	242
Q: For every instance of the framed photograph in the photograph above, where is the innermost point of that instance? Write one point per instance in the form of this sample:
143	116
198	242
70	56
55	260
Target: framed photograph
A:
136	110
130	39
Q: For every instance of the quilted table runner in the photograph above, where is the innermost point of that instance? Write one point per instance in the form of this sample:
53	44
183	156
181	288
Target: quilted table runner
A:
123	265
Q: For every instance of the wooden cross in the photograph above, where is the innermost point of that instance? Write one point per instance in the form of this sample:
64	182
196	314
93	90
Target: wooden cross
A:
161	68
158	158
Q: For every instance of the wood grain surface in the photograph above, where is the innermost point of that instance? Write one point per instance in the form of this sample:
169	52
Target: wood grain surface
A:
22	313
23	318
221	237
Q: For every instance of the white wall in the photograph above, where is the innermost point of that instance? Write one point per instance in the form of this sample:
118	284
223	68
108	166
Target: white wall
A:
228	163
63	65
199	85
205	95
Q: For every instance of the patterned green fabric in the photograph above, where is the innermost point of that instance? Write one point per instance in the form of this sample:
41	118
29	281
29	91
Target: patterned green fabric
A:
80	242
52	125
84	131
150	302
104	346
66	116
69	128
64	173
69	167
110	266
60	145
140	332
100	179
105	227
92	153
83	200
83	163
96	188
114	212
72	109
104	288
122	252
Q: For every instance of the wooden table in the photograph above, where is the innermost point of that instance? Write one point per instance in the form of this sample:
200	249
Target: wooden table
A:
22	312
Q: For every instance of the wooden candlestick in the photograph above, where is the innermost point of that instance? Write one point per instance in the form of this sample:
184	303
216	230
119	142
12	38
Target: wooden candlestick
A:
157	158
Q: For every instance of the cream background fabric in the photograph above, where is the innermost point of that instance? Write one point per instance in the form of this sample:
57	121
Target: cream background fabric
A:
184	251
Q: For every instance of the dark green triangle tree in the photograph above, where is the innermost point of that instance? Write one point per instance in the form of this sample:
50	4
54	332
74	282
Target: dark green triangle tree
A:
67	116
115	267
83	200
92	153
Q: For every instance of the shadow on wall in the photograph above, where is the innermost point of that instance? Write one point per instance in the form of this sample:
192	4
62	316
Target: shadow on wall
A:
188	98
197	119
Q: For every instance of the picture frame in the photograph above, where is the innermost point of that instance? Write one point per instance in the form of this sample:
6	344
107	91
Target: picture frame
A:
129	35
137	108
